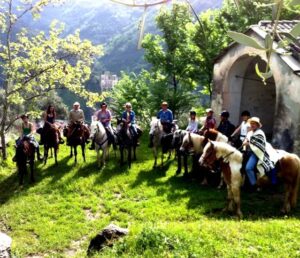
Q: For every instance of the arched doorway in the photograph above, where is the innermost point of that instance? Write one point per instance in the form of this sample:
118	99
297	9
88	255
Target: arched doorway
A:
246	91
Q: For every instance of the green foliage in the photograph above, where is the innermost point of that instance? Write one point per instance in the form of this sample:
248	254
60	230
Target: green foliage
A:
174	58
166	216
33	65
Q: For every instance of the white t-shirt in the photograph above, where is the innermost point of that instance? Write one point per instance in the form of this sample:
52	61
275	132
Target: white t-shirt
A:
244	130
193	126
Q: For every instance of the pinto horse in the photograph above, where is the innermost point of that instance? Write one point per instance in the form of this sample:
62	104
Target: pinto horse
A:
25	151
51	140
77	134
231	159
126	141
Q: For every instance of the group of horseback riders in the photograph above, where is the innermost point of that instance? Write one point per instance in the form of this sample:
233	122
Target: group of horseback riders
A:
251	137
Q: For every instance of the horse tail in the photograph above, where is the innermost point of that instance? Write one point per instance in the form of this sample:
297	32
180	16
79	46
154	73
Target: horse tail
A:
296	186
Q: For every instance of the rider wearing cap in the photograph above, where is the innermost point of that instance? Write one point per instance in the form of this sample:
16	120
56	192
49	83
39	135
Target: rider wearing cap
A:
76	118
166	117
193	123
225	126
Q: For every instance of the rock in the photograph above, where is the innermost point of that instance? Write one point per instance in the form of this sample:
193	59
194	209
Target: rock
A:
5	244
106	237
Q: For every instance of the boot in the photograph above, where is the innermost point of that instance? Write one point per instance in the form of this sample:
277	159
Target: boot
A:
92	147
151	141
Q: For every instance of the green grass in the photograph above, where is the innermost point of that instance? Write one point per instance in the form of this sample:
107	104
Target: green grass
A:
166	215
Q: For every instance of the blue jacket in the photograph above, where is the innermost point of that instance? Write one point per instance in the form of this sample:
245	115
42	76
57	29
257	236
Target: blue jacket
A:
165	116
131	116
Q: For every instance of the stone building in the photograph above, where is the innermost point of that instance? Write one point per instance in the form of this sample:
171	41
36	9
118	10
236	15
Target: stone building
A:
108	81
236	87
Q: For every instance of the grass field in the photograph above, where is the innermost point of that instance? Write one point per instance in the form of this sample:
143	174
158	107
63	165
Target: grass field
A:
167	216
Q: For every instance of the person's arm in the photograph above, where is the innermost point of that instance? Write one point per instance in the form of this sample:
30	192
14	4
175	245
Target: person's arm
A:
45	116
108	116
236	130
83	118
31	128
158	114
70	117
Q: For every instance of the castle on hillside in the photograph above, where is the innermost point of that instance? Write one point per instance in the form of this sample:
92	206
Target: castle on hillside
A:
108	81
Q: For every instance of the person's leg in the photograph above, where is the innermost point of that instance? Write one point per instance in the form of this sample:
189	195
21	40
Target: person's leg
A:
250	168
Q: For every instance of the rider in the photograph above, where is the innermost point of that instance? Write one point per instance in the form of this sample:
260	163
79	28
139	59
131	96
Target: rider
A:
49	117
128	116
166	118
27	132
210	121
260	153
104	116
243	129
193	123
76	117
225	126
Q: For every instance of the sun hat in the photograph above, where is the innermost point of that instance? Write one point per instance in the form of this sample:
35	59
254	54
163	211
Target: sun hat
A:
209	110
164	103
255	120
76	103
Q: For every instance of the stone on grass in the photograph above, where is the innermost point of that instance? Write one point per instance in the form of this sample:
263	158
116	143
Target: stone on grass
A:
5	244
106	237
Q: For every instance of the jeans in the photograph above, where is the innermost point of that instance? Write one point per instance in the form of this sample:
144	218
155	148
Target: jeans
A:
250	166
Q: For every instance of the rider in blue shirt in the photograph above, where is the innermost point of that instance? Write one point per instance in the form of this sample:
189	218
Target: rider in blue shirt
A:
128	116
166	117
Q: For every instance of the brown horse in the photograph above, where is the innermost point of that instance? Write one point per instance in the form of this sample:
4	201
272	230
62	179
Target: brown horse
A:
231	163
51	140
25	152
77	134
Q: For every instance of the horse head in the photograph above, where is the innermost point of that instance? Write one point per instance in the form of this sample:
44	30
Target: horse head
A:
209	155
97	130
178	138
192	143
156	127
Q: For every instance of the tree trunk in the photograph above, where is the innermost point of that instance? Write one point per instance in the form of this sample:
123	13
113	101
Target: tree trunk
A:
2	131
3	143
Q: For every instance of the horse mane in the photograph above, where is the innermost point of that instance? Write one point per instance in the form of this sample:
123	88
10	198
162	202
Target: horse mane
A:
215	135
226	151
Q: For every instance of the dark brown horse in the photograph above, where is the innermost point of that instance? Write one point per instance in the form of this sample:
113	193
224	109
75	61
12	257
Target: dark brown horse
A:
231	159
51	140
126	141
25	152
77	134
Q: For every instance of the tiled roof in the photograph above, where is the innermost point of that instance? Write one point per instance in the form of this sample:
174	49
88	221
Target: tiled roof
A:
283	25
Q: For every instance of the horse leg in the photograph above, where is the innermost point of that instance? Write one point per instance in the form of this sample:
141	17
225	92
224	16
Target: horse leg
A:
286	204
83	151
162	158
51	153
236	194
155	156
134	152
55	155
75	153
46	149
71	151
98	156
31	163
178	162
21	175
129	157
121	155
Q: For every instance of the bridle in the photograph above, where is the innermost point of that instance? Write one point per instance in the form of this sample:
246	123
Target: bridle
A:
98	131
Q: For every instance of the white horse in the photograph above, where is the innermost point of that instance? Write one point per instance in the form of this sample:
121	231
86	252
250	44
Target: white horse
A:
98	133
156	130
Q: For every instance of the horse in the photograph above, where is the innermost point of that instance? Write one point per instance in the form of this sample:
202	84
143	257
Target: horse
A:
51	140
25	151
98	133
77	134
176	144
160	140
288	167
126	141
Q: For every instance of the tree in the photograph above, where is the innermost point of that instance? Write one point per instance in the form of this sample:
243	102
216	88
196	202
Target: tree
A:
174	57
32	65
